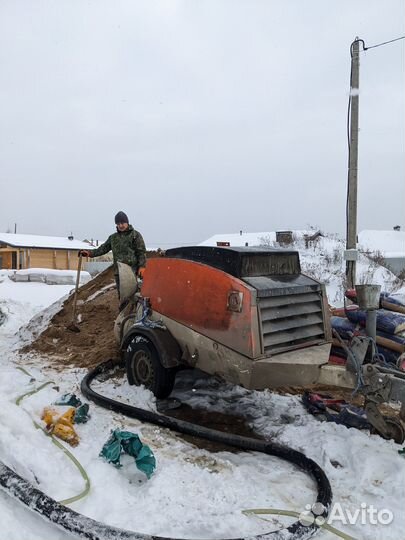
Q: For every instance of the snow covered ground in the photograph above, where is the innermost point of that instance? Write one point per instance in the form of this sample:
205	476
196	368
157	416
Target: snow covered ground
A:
193	493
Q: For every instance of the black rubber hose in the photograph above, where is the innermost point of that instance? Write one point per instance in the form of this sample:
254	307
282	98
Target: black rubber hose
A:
85	527
297	530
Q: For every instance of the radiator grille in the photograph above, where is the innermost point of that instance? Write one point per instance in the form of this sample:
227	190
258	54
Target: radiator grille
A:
290	321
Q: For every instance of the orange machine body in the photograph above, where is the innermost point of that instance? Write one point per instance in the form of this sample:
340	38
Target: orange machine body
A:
206	300
245	314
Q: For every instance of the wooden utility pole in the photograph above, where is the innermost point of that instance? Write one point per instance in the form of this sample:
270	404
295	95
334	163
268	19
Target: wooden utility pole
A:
351	231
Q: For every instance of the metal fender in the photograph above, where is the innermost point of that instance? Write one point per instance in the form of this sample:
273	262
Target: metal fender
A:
166	346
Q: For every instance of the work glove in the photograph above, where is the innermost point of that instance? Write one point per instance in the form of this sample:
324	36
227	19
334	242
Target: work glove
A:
61	425
141	272
84	253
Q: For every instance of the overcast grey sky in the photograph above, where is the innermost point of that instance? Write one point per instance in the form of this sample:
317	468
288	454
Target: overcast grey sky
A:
198	116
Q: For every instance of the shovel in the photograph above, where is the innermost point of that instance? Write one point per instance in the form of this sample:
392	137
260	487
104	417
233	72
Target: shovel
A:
73	326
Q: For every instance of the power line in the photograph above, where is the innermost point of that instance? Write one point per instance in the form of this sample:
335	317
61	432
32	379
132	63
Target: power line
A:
372	46
383	43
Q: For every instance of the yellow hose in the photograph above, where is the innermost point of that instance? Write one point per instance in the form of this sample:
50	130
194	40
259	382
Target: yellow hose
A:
292	513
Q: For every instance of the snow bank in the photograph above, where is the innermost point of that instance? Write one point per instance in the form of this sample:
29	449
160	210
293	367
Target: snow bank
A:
20	301
49	276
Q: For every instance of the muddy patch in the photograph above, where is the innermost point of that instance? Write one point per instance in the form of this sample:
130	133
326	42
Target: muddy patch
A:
174	408
227	423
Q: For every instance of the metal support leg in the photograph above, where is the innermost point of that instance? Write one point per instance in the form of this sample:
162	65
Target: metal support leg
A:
371	324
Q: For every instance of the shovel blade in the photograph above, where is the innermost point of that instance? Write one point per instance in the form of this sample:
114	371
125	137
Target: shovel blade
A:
73	328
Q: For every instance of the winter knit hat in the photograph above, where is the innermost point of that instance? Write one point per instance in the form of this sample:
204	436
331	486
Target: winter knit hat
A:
121	217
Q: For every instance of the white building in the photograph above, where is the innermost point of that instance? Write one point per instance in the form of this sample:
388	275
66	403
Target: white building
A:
390	245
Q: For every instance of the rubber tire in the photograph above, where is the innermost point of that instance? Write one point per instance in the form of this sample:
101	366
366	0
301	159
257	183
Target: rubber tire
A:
146	369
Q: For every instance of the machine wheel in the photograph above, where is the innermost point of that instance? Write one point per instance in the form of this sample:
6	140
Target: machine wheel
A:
146	369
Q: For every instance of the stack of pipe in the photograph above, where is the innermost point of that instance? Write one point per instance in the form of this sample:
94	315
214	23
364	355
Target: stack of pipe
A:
390	333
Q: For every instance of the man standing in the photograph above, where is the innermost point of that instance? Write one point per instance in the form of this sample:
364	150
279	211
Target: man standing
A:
127	246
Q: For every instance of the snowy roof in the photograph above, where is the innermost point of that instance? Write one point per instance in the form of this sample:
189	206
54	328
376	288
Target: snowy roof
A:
388	243
251	239
31	241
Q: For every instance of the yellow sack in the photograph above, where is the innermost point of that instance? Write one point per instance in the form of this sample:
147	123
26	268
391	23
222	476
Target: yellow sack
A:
61	425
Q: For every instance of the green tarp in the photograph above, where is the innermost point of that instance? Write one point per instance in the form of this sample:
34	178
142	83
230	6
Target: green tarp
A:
129	443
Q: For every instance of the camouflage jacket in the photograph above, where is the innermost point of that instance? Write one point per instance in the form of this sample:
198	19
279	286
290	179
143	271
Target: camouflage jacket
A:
127	247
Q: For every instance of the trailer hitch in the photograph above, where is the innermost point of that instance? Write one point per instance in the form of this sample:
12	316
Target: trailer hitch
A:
378	383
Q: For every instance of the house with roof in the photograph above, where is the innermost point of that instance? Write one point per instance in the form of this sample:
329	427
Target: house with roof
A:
389	246
20	251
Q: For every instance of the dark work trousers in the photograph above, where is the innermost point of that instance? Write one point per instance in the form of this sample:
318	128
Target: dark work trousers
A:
117	282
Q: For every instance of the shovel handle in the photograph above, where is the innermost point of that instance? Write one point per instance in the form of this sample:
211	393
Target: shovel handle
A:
79	269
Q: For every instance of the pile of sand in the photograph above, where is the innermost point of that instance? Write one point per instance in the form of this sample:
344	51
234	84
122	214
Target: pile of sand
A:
97	309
